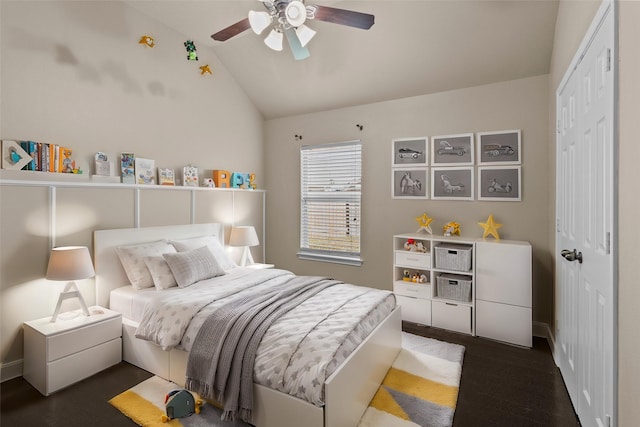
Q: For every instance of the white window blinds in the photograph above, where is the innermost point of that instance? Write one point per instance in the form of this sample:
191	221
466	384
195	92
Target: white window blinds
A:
330	202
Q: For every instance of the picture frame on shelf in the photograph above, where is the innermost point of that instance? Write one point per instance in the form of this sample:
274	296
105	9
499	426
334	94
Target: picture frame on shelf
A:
166	176
500	183
452	150
190	176
145	171
14	157
452	183
409	183
410	152
500	147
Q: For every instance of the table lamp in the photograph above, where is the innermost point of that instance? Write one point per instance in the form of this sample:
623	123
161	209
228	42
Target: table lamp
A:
70	263
244	236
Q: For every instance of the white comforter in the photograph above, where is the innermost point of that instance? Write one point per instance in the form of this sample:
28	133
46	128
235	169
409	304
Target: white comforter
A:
299	351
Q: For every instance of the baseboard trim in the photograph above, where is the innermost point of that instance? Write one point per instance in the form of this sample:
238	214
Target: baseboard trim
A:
543	330
11	370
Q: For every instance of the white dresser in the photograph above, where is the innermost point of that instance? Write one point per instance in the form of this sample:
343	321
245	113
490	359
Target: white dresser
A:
67	351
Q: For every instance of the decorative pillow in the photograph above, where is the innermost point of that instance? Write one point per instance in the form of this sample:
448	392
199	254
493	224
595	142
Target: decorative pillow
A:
218	251
132	259
160	272
188	267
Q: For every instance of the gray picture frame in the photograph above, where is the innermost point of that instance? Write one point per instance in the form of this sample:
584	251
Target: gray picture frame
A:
500	183
452	183
500	147
410	152
452	150
410	183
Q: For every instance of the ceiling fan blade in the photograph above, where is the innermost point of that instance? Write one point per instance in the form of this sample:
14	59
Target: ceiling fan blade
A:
343	17
299	52
232	30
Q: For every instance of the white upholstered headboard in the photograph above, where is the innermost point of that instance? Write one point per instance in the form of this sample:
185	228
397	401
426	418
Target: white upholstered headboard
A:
109	272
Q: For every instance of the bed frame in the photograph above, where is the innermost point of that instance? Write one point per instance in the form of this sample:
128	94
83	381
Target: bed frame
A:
348	390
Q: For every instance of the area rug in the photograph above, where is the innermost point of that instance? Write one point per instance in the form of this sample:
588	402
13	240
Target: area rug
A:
420	389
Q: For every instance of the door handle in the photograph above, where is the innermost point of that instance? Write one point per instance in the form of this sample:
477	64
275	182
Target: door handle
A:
572	255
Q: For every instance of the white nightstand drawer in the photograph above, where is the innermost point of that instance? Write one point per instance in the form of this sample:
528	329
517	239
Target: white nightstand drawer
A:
415	310
413	259
90	335
78	366
454	317
410	289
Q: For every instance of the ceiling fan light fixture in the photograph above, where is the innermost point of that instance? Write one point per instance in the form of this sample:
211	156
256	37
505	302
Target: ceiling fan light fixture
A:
259	21
296	13
305	34
274	40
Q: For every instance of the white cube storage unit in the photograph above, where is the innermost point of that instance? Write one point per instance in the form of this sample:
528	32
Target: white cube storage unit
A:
59	354
473	286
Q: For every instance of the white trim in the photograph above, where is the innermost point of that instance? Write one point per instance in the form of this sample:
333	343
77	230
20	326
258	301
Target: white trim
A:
11	370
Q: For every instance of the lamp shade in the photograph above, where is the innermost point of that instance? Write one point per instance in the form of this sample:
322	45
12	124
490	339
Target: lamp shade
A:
274	40
305	34
259	21
70	263
244	235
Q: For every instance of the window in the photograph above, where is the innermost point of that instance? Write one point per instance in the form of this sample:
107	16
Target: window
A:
330	176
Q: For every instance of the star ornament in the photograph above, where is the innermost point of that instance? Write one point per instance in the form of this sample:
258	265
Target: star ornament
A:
425	223
490	228
205	69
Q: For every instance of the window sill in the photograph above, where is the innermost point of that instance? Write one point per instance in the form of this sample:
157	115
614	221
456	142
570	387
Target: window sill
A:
336	259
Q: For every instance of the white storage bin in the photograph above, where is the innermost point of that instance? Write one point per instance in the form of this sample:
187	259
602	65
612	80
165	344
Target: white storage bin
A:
452	256
454	286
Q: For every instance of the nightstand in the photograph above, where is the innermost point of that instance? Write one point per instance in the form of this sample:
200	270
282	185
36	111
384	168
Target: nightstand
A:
259	266
62	353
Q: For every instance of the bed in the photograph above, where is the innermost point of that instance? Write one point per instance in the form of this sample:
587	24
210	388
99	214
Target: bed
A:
347	391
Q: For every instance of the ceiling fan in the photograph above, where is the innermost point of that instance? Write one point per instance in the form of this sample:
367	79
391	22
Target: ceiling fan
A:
288	18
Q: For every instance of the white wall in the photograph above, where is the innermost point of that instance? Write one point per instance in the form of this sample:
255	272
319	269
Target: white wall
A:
519	104
73	73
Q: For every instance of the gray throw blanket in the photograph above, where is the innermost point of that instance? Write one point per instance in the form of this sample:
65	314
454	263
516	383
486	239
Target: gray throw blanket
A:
220	364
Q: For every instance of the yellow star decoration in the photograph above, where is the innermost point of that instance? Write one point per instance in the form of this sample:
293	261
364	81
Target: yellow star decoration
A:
425	223
147	40
490	228
205	69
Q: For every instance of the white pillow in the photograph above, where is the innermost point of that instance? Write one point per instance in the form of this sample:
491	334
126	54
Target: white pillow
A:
189	267
160	272
132	259
218	251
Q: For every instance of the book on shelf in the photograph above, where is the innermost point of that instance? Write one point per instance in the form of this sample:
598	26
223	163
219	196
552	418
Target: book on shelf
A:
145	171
127	168
190	176
166	176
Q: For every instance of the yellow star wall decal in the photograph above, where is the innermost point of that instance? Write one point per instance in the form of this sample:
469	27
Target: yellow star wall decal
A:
425	223
147	40
205	69
490	228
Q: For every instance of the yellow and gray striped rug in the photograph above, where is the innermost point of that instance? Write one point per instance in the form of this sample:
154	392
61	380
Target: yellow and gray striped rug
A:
420	389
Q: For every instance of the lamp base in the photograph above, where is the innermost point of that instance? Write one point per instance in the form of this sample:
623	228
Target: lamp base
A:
246	259
70	291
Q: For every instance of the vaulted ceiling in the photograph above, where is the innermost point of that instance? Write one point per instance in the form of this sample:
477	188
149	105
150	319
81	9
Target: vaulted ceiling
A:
414	48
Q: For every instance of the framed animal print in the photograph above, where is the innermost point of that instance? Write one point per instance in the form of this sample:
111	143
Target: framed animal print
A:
409	183
452	183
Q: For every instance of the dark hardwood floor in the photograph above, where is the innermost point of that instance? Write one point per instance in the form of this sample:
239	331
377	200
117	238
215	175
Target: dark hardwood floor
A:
501	385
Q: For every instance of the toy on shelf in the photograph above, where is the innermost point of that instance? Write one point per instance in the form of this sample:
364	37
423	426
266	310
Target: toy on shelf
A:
412	245
451	228
425	223
490	228
180	403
